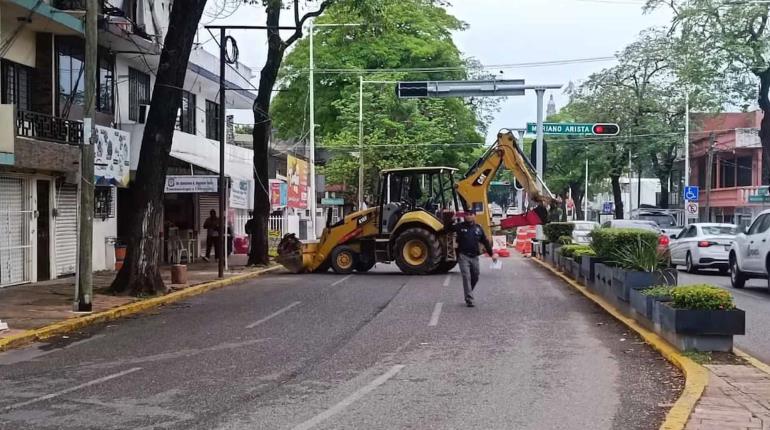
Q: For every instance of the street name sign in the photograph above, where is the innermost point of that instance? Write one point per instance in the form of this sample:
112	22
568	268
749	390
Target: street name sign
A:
575	129
758	198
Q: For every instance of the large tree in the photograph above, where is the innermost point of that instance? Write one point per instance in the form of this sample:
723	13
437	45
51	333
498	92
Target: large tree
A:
729	41
140	273
406	34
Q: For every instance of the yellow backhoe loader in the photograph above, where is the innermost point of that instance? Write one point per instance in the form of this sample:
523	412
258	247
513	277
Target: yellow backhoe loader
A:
409	224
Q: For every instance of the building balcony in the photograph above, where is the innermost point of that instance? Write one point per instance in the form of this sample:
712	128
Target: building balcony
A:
40	126
69	4
732	197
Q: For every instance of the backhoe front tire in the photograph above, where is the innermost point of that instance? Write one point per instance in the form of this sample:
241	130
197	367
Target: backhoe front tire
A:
343	260
418	251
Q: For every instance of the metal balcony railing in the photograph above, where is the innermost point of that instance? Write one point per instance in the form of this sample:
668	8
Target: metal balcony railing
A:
45	127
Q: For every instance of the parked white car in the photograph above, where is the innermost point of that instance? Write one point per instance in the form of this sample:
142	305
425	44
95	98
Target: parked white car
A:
703	246
580	234
750	252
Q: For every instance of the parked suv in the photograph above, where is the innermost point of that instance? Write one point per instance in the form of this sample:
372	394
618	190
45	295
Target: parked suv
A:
750	252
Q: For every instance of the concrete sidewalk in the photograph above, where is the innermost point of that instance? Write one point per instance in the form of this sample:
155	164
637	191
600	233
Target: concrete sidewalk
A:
31	306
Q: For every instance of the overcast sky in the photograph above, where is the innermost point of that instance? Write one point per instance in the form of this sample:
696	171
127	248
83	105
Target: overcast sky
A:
505	32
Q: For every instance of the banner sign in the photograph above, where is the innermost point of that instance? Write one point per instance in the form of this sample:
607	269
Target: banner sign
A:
192	184
297	172
240	193
112	162
278	194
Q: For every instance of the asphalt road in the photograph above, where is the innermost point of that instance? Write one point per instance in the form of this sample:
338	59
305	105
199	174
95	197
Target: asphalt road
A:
374	351
754	299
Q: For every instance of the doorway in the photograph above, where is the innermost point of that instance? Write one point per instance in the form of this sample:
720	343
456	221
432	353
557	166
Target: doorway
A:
43	230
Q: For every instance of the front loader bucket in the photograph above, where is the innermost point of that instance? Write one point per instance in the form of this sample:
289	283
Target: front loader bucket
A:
290	251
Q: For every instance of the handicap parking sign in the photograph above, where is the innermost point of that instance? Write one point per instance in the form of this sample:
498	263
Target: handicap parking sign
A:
691	193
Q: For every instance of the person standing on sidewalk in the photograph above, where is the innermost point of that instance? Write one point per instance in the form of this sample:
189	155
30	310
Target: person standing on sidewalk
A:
212	235
251	230
469	236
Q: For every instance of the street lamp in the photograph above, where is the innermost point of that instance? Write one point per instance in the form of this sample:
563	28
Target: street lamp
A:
311	83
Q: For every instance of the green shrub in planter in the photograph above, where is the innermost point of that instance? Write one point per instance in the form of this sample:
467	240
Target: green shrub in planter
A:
658	292
584	251
565	240
639	255
701	297
569	250
553	231
612	244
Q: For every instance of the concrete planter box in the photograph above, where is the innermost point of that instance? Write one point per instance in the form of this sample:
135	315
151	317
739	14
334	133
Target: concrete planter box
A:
587	267
602	279
550	252
701	330
641	304
623	281
574	269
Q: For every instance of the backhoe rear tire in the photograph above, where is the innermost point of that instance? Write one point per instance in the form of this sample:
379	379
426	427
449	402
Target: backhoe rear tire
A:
418	251
445	266
343	260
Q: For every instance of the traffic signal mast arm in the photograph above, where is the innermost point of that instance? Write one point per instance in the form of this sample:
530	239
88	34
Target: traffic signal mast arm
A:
473	189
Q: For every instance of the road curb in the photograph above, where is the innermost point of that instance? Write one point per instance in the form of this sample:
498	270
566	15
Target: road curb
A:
696	376
76	323
752	360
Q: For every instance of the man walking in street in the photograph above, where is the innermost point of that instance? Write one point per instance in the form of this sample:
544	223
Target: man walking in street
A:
212	235
469	236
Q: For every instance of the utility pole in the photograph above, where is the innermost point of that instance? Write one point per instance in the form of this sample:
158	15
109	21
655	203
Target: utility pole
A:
709	168
222	184
313	191
539	149
360	142
585	198
85	285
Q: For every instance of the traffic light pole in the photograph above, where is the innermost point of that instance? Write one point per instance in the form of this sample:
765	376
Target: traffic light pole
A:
539	149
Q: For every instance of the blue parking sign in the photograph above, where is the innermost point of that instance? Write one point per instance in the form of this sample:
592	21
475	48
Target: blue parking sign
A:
691	194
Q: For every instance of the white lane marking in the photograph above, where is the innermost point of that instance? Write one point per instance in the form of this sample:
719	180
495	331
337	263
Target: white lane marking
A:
347	401
273	315
447	280
340	281
69	390
436	313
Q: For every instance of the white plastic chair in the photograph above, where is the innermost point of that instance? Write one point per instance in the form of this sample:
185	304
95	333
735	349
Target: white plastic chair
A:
178	250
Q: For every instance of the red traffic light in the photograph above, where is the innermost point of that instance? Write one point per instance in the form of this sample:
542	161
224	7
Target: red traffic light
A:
605	129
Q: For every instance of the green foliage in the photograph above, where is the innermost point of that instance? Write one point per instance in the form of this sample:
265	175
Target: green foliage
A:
575	251
565	240
555	230
701	297
611	244
639	255
658	292
397	133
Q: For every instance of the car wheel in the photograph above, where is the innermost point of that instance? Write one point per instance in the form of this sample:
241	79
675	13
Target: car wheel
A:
691	267
737	278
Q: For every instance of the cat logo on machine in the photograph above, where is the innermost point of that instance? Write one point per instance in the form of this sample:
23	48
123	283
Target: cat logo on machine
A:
363	220
482	178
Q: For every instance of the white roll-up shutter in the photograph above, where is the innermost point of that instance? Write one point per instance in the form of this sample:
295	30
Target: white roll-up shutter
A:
66	229
14	232
206	204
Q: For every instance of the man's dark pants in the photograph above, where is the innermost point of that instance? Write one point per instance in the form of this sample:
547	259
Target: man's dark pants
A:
212	242
469	268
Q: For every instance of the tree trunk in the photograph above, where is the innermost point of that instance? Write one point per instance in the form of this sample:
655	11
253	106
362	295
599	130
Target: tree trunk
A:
617	196
577	199
262	131
663	192
764	130
140	273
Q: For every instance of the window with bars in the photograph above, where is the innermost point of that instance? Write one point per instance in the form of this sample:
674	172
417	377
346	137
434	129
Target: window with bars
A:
138	92
16	85
103	207
186	118
70	60
212	120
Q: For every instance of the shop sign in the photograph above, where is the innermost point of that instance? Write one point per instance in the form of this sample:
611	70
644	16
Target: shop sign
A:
112	157
240	191
297	173
278	194
192	184
337	201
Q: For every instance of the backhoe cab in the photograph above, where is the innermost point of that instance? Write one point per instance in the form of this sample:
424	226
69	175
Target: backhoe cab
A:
415	208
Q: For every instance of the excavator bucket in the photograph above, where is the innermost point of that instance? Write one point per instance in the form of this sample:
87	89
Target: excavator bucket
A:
290	253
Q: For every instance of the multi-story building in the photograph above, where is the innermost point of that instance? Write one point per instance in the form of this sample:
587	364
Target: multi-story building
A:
42	53
736	170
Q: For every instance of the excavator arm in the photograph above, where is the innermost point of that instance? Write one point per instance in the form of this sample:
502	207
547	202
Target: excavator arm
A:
473	189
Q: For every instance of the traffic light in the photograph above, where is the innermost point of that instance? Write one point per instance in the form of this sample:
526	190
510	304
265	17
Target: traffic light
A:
605	129
411	90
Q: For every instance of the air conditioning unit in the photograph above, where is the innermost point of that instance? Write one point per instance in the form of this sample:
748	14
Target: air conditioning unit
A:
143	109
